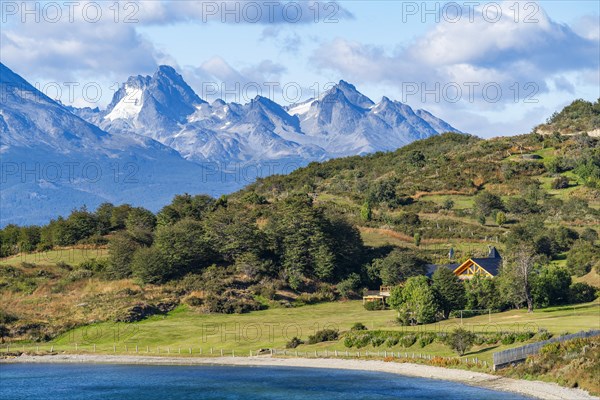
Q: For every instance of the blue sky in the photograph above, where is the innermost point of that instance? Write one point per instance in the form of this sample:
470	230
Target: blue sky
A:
499	70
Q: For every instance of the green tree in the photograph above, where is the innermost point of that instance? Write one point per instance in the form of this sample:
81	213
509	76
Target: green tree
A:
589	235
417	239
551	286
396	267
103	215
81	224
185	206
299	234
121	247
448	204
486	202
500	218
365	212
581	257
119	216
232	231
450	290
184	246
461	340
482	219
481	293
148	265
140	219
4	332
418	302
29	237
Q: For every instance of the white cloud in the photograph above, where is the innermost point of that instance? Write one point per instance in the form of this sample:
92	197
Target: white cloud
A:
518	57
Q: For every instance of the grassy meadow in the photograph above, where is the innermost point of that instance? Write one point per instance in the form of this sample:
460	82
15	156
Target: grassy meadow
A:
185	329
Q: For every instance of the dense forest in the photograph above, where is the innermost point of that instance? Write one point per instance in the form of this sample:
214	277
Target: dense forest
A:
332	229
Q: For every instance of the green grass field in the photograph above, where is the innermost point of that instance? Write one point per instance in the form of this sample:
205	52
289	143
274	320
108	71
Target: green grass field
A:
184	328
71	256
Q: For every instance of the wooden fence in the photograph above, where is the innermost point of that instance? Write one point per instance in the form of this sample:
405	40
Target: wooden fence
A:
518	354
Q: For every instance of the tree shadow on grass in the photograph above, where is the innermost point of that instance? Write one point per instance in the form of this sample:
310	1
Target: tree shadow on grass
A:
481	350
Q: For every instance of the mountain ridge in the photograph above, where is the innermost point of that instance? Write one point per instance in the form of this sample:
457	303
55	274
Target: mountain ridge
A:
175	141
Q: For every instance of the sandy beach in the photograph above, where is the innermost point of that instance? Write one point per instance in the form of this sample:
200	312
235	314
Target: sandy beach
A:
541	390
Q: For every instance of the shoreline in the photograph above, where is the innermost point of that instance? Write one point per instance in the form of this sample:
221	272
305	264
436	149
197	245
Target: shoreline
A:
536	389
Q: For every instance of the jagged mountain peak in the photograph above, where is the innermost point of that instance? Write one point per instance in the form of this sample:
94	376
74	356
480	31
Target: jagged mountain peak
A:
353	95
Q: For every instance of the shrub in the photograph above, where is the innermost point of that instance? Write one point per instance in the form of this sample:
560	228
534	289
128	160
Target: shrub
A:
524	336
79	274
324	335
425	339
392	341
348	341
358	326
362	340
562	182
194	301
64	265
461	340
93	265
582	293
377	341
543	334
7	318
295	342
408	340
348	286
508	338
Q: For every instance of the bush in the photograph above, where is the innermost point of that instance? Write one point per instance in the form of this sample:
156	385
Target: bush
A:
348	286
524	336
64	265
194	301
461	340
358	326
349	341
562	182
230	302
79	274
93	265
324	335
408	340
362	340
392	341
508	338
7	318
582	293
295	342
543	334
374	306
426	338
377	341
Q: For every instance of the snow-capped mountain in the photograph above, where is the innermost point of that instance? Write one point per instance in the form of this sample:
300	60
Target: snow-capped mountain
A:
346	122
340	122
157	138
54	161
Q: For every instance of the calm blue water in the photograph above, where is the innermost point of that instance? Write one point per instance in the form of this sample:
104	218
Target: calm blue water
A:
87	382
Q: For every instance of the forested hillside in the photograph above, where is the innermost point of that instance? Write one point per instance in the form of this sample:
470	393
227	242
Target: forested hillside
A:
322	233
